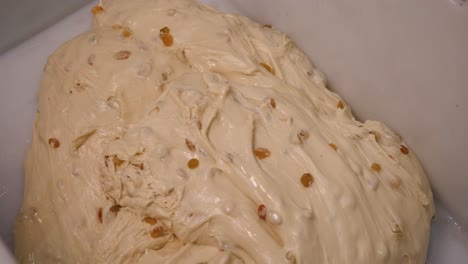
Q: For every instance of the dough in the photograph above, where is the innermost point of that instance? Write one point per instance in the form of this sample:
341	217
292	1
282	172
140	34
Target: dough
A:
173	133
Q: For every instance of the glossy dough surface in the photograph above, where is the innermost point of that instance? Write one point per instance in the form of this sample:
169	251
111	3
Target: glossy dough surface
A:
173	133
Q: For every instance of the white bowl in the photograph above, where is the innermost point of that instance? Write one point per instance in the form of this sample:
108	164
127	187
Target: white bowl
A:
402	62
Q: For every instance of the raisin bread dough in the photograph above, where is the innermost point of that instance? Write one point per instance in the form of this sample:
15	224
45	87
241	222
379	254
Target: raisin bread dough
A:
173	133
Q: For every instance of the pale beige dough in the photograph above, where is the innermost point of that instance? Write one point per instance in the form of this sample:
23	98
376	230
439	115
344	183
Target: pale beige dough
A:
121	114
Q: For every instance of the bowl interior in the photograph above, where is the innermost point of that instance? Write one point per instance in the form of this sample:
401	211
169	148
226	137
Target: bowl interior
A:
393	61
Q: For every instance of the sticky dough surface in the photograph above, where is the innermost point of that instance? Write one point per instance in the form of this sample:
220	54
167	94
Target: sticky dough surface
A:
285	174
